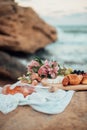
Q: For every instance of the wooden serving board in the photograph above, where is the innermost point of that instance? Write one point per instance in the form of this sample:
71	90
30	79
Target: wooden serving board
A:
69	87
73	87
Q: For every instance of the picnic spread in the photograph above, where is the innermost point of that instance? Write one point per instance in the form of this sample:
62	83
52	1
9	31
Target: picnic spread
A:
47	87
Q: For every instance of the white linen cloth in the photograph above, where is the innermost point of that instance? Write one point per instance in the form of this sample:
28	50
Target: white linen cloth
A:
42	100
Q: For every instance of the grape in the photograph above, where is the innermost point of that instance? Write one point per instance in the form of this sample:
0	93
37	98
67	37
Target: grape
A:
82	72
70	70
75	71
67	72
78	72
72	73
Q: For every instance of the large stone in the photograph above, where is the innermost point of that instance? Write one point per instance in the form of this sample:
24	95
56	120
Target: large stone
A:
10	68
21	29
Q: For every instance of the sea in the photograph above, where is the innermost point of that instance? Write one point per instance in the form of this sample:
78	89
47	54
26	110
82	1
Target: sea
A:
71	47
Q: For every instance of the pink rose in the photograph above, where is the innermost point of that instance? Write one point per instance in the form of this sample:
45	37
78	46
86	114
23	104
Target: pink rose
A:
52	72
42	71
32	64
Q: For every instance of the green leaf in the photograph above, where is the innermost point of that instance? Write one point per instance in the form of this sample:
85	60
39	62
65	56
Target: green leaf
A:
38	59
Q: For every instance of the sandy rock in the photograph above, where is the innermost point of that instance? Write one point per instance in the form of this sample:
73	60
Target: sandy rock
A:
21	29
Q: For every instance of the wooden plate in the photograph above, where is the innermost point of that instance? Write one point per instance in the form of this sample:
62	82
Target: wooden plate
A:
69	87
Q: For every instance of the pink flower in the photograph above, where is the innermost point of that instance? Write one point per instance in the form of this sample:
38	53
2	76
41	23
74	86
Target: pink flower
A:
54	64
53	75
33	64
46	63
56	68
42	71
53	71
48	69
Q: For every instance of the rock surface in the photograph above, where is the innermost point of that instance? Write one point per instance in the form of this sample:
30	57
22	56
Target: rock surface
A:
10	68
21	29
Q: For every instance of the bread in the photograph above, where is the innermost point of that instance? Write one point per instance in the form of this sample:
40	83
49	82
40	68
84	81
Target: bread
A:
72	79
65	81
84	80
75	79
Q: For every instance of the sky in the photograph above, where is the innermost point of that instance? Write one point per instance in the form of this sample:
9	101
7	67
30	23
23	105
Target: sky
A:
60	9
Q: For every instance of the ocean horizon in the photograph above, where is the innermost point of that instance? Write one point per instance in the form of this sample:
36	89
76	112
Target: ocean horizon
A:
71	47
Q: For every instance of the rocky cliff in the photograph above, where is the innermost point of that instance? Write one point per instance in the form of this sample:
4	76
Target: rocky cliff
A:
21	30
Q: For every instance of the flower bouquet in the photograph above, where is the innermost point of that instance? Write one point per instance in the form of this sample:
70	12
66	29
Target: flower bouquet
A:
38	69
